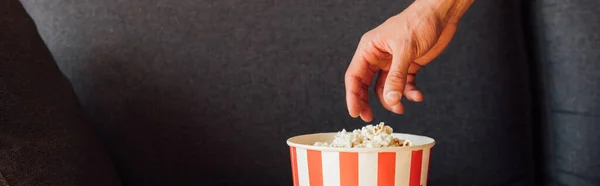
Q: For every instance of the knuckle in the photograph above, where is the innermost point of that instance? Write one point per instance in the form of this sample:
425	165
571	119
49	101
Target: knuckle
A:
366	36
348	78
352	79
396	77
350	75
347	74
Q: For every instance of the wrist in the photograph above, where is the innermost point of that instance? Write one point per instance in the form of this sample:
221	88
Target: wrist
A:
448	10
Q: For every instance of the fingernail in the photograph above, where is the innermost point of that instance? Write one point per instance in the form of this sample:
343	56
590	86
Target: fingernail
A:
392	98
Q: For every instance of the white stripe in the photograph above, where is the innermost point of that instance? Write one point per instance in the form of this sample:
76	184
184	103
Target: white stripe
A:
331	168
302	156
367	169
425	166
402	168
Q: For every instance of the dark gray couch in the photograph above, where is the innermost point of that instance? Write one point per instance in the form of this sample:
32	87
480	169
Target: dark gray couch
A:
183	92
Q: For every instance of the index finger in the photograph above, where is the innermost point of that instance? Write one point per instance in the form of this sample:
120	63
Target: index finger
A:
357	80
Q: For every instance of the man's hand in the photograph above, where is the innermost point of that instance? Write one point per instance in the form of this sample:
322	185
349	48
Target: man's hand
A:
398	48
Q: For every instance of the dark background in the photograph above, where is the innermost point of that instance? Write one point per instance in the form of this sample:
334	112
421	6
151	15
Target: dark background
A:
206	92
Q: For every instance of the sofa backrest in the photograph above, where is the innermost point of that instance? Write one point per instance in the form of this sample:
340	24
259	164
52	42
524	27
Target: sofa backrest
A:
206	92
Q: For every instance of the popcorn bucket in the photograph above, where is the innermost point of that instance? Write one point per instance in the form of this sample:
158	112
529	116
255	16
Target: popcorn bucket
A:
389	166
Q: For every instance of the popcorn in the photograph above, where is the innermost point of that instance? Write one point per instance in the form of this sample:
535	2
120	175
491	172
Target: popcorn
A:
369	136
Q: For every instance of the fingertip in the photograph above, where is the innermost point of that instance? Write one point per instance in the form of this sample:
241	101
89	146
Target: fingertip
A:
398	109
353	115
414	95
366	117
409	97
353	105
366	114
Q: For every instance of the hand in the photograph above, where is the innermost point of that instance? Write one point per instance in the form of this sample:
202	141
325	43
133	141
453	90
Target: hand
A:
398	48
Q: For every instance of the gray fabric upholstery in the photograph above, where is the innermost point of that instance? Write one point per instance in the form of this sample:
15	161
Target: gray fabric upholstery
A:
187	92
44	138
569	55
2	180
206	92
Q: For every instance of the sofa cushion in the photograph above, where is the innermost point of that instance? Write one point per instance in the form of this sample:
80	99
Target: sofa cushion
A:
44	136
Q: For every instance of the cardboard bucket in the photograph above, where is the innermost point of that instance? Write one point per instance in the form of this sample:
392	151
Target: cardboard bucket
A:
390	166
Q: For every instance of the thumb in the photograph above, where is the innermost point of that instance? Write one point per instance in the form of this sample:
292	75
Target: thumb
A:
396	79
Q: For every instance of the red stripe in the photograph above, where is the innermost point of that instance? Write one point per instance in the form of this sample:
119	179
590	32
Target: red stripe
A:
386	168
416	161
428	165
294	165
315	168
348	169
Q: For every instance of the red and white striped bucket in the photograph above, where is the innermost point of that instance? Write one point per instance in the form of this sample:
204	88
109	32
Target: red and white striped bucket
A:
391	166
